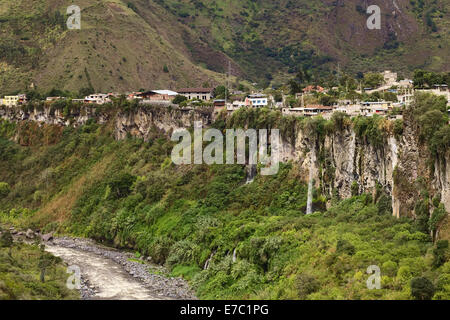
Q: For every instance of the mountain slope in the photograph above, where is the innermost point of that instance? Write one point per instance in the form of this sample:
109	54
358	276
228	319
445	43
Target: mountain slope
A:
125	45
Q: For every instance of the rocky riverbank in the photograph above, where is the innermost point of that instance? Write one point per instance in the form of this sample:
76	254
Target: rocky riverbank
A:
160	286
108	273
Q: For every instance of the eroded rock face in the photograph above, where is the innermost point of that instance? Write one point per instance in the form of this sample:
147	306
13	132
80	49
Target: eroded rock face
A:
345	158
141	122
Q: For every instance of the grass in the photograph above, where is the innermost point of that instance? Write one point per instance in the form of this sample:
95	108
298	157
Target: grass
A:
20	276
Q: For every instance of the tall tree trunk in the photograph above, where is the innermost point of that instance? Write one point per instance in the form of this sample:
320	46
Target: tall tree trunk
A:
43	275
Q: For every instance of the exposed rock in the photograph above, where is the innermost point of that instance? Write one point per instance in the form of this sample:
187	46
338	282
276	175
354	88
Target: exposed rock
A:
347	158
29	234
47	237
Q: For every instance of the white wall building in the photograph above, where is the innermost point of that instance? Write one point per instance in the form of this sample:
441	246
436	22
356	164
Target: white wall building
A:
257	100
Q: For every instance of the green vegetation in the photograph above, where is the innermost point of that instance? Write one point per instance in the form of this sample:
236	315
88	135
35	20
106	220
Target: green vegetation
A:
266	43
128	194
430	113
21	274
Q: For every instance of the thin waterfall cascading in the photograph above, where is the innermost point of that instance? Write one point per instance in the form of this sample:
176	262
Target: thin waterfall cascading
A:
251	173
352	153
394	159
207	263
234	255
310	182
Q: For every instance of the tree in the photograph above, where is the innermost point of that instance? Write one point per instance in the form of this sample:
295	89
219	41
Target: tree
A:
46	261
373	80
179	99
7	241
306	284
355	188
422	289
120	184
4	189
440	253
220	91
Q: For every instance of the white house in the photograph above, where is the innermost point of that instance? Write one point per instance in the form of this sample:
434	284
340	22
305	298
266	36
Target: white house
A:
97	98
257	100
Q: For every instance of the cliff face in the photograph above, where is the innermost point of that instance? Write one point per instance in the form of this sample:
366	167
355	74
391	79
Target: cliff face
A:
342	161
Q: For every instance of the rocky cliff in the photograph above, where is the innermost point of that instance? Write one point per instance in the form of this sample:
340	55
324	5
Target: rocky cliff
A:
345	163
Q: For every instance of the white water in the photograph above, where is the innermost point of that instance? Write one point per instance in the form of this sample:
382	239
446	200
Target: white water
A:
251	173
207	263
310	182
394	159
234	255
352	154
394	151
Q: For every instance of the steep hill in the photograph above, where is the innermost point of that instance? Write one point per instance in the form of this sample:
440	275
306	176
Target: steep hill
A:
129	44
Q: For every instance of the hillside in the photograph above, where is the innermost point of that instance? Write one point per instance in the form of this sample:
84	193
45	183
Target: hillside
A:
128	45
230	239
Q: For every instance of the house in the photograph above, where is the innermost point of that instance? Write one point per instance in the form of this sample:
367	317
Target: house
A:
405	96
379	107
257	100
158	95
406	83
315	110
390	78
204	94
97	98
309	111
14	101
52	99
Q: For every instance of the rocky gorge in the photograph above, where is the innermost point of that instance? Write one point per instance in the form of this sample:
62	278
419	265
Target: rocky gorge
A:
345	160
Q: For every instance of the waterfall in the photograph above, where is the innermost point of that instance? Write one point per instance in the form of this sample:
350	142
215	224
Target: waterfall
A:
394	151
394	159
251	173
207	263
352	154
310	182
234	255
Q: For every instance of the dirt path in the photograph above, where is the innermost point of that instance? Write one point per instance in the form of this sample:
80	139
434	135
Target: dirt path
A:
110	280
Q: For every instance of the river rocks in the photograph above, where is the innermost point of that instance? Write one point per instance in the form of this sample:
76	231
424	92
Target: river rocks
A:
150	275
47	237
29	234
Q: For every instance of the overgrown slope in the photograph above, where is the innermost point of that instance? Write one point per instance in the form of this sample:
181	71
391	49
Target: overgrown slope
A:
125	45
255	238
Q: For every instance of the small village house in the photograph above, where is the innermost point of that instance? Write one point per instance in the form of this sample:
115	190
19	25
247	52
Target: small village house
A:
158	95
204	94
380	108
14	101
97	98
257	100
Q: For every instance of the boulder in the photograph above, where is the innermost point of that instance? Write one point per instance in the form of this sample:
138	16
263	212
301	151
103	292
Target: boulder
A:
29	234
47	237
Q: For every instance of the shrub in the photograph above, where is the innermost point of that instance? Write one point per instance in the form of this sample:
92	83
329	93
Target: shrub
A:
343	246
4	189
120	184
179	99
422	289
305	285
